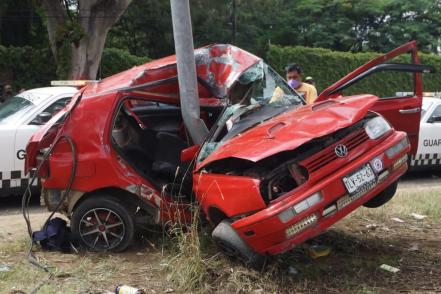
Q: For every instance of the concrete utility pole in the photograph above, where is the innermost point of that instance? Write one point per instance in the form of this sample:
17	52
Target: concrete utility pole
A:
188	88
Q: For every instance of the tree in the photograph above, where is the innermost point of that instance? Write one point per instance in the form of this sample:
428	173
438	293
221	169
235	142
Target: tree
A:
21	24
77	31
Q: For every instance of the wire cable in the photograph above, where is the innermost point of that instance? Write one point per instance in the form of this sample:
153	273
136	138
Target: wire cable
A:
28	193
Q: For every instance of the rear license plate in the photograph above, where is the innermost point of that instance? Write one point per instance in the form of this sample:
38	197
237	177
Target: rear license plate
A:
358	179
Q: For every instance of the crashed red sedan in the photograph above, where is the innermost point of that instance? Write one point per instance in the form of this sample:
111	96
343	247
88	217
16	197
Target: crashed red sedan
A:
272	173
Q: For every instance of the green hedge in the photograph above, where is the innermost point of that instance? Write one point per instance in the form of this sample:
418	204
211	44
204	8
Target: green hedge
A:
327	66
30	68
116	60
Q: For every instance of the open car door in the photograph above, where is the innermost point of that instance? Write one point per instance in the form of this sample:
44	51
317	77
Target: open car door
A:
402	111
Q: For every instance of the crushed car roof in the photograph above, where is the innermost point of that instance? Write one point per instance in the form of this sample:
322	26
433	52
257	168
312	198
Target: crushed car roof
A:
218	67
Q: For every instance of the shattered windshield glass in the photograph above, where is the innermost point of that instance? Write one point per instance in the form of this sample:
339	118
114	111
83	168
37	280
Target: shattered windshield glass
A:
258	95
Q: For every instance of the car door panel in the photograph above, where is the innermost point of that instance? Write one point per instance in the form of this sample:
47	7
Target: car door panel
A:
403	113
429	147
22	136
7	158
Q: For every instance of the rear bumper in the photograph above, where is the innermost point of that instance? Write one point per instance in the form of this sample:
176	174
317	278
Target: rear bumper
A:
265	233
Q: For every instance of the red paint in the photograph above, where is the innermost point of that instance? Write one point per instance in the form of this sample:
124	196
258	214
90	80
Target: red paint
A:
238	197
300	126
390	107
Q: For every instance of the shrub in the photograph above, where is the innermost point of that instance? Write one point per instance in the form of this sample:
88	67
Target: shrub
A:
327	66
31	68
116	60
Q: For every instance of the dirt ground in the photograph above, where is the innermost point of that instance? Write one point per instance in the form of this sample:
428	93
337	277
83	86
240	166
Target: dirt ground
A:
360	244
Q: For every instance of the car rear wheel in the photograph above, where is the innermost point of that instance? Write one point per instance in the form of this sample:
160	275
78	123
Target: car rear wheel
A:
229	241
383	197
102	224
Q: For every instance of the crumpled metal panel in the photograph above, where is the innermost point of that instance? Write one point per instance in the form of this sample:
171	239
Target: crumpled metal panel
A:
218	67
294	128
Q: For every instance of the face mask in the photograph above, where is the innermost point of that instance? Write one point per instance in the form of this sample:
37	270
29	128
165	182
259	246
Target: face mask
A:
293	83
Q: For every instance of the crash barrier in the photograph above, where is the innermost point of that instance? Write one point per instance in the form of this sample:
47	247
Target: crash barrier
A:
327	66
27	67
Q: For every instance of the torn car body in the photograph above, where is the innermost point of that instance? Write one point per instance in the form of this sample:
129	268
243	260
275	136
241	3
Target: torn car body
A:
273	170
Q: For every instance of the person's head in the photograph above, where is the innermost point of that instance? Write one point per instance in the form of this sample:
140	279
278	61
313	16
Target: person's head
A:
294	75
7	90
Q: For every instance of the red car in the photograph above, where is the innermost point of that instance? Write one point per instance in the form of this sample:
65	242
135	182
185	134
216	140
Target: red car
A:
272	173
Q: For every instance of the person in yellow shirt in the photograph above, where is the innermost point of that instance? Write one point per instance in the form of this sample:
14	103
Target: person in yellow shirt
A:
294	78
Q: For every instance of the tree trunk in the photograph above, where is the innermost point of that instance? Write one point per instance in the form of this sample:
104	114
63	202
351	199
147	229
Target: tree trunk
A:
94	18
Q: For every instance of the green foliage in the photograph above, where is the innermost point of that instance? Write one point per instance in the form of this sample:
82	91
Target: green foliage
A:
327	66
31	68
21	24
116	60
343	25
28	66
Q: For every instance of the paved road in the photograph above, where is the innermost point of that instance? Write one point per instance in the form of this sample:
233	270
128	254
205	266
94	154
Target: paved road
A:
421	180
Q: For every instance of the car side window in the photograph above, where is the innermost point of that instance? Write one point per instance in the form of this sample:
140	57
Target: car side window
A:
436	115
50	111
57	106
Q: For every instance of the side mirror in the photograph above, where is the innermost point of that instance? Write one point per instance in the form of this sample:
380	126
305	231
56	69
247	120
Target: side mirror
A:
434	119
189	153
42	118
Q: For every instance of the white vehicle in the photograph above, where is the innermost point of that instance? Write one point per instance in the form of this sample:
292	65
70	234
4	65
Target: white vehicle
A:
20	117
429	145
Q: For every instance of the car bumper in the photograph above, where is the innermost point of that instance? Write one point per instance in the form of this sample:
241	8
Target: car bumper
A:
265	233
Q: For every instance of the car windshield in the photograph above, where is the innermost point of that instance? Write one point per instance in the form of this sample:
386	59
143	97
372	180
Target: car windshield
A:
258	95
14	108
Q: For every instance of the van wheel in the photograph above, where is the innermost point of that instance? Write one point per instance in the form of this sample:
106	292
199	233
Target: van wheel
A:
229	241
383	197
102	224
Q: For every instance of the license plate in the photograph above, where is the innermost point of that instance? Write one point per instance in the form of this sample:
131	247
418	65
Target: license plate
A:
359	179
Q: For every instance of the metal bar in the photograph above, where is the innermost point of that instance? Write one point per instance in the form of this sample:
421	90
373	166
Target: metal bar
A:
188	88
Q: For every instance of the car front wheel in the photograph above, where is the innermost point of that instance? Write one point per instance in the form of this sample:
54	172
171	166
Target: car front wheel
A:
102	224
229	241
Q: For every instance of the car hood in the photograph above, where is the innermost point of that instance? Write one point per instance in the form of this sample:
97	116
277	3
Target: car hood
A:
293	129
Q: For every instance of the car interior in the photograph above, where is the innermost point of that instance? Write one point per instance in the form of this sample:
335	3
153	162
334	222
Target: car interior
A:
151	136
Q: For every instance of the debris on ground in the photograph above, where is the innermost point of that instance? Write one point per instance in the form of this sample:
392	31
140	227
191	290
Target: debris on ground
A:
5	268
124	289
398	220
389	268
414	247
371	226
418	216
293	271
315	251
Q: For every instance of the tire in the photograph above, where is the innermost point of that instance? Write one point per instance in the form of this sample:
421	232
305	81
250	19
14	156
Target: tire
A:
114	229
383	197
232	245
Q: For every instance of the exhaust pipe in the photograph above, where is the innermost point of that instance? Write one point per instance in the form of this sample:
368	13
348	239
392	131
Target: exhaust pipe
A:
186	65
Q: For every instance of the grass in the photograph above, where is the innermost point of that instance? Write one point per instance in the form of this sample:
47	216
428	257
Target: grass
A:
72	273
404	203
189	261
351	268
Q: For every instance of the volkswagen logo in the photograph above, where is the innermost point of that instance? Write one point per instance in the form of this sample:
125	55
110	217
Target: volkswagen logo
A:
341	150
